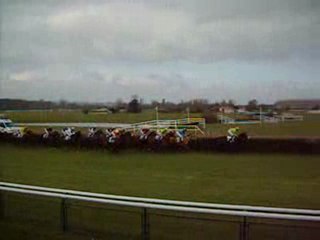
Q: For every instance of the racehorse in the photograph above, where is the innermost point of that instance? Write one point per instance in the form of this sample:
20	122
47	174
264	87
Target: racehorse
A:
52	139
170	141
123	140
152	142
97	140
222	143
30	137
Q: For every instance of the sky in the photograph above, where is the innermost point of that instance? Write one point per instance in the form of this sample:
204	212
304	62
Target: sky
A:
101	51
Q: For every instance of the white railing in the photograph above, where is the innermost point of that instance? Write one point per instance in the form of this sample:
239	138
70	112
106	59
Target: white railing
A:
146	204
208	206
172	123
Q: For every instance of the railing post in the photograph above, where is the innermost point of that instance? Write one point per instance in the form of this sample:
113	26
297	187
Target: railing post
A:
145	230
244	229
64	215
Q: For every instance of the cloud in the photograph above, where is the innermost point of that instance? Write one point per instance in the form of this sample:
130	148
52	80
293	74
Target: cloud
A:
117	43
24	76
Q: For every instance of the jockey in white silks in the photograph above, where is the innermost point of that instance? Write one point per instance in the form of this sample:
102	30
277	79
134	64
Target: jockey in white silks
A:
91	132
68	133
47	132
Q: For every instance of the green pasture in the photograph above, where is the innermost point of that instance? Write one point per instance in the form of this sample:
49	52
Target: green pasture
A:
268	180
272	180
79	116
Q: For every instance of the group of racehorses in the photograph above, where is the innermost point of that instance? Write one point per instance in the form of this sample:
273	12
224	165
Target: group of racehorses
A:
123	139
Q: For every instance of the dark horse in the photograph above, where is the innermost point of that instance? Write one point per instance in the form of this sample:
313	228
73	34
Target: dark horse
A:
30	137
98	140
222	144
151	143
53	139
170	142
123	141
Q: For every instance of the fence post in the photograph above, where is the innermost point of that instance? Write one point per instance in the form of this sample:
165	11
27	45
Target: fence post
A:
145	231
64	215
244	229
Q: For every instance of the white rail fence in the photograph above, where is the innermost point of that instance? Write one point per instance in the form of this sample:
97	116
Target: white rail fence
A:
146	204
193	125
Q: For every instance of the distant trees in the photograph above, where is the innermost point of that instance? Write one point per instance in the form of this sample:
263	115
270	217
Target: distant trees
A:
252	105
198	105
134	105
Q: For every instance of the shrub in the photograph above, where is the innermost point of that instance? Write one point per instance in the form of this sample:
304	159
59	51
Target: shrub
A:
210	117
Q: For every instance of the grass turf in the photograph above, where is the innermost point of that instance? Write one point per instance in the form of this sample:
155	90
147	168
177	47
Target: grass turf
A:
79	116
270	180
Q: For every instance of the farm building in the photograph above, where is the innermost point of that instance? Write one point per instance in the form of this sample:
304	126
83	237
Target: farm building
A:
298	104
227	109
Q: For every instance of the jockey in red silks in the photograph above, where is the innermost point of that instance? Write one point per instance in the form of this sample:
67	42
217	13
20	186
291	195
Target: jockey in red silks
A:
114	135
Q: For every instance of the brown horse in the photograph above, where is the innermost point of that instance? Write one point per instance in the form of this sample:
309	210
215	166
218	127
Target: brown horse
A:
122	141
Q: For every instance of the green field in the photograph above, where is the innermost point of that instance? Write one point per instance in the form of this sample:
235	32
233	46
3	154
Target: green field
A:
79	116
308	128
254	179
268	180
273	180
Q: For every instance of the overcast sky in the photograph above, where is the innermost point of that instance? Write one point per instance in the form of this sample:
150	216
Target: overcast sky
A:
173	49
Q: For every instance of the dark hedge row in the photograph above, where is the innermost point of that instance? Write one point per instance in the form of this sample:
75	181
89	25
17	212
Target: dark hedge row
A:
251	145
259	145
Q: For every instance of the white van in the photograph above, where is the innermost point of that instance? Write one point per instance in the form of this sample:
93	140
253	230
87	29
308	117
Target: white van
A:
7	126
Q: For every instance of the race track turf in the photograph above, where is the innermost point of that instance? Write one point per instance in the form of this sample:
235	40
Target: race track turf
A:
272	180
268	180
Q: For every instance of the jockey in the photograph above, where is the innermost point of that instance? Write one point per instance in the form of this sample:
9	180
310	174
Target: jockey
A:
47	132
18	134
91	131
116	132
160	133
180	134
233	134
108	132
113	135
144	133
68	133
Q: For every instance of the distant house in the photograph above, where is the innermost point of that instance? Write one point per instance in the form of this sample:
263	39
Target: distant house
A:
241	108
215	109
227	109
296	104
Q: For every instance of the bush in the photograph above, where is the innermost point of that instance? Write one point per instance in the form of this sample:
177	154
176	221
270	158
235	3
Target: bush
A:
134	106
210	117
85	111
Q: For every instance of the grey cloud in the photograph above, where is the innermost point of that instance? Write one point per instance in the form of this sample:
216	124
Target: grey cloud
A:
146	32
65	43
